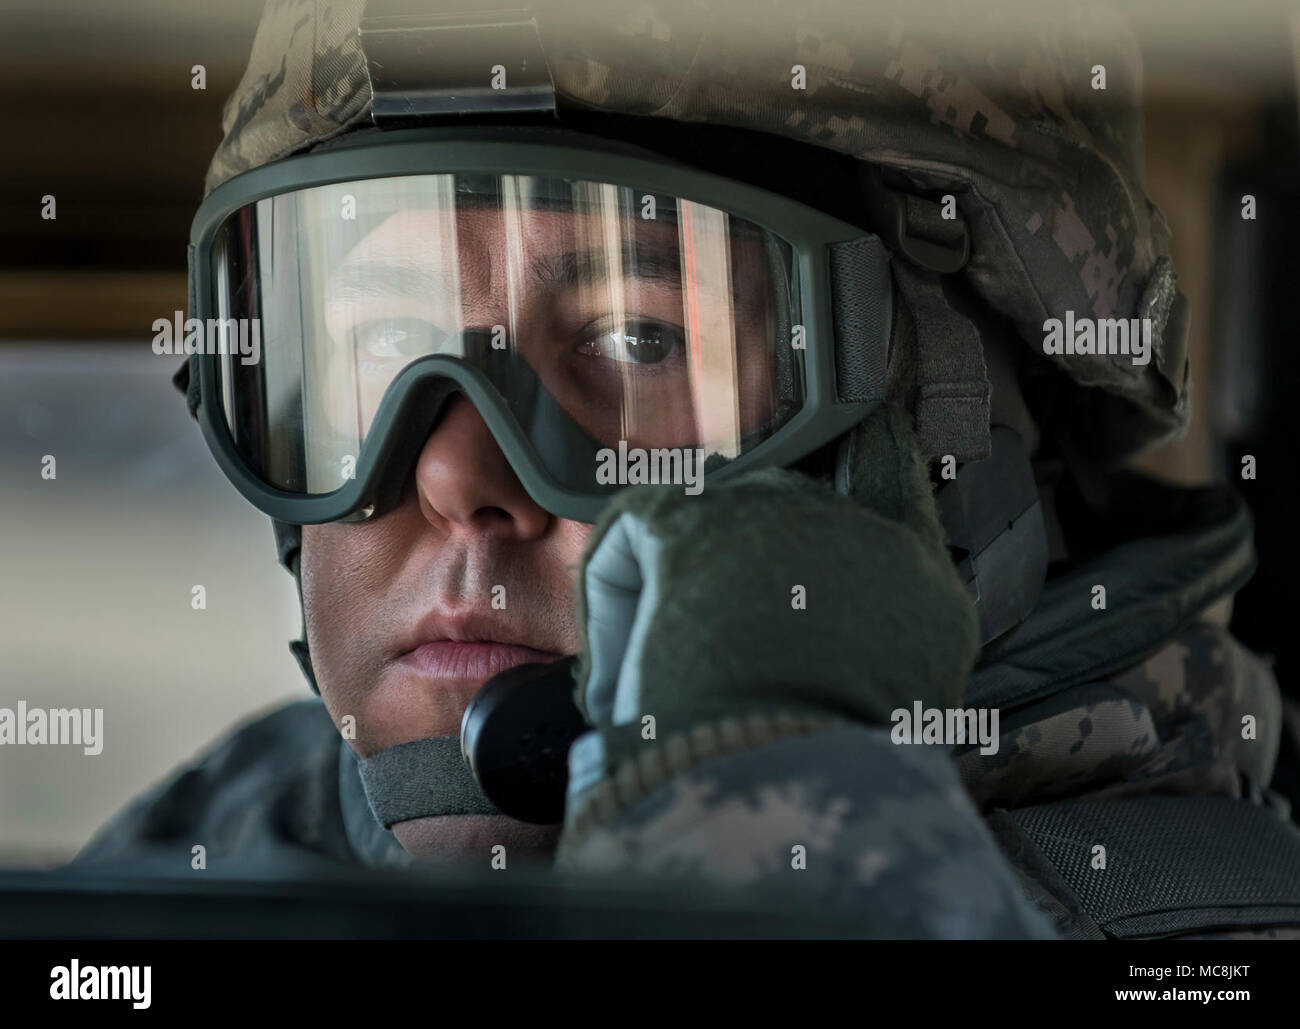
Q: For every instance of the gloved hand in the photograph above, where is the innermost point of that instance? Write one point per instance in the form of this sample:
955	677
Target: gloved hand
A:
770	593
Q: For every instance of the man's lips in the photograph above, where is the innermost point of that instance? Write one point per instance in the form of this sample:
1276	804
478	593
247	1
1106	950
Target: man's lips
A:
454	659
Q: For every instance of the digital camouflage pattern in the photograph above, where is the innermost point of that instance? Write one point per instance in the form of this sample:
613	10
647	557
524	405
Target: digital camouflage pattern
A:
1171	724
968	99
910	853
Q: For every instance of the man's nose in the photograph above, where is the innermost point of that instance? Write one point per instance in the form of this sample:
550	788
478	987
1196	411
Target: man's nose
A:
465	484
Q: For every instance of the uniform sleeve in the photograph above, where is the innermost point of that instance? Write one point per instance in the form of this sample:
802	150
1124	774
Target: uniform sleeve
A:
262	798
843	818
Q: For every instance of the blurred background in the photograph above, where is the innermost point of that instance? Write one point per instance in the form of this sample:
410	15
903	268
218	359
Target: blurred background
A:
98	564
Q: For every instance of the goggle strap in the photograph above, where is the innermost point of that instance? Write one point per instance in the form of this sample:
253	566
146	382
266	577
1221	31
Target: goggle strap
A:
186	381
860	299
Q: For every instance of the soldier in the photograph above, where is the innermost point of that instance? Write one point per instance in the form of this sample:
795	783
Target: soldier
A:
906	644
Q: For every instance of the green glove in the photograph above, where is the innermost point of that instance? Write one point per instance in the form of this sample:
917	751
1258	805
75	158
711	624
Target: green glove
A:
770	593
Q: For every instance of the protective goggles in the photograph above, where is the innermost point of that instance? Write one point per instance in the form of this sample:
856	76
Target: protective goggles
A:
613	318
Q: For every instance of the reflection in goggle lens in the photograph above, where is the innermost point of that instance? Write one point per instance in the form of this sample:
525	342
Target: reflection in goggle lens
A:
643	318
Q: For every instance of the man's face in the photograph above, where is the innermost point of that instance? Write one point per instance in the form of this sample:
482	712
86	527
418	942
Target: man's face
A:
400	617
399	610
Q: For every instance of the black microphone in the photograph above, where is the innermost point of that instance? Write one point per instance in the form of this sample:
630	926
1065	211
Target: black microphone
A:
515	739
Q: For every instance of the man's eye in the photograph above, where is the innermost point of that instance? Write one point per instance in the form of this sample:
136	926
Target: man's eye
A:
635	343
391	338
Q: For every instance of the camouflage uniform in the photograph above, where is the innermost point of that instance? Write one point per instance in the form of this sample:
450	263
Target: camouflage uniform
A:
1127	796
1143	728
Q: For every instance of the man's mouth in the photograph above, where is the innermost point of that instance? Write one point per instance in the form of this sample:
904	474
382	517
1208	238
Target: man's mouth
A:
458	659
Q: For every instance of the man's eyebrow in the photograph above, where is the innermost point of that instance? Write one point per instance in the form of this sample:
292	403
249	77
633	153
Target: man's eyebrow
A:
638	260
388	279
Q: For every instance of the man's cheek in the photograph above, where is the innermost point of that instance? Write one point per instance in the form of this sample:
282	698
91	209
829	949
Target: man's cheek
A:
343	562
335	609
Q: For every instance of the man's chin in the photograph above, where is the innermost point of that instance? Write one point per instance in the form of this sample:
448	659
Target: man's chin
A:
438	839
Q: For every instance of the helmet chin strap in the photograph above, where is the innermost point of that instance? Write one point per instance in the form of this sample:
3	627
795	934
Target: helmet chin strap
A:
511	757
987	511
420	779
